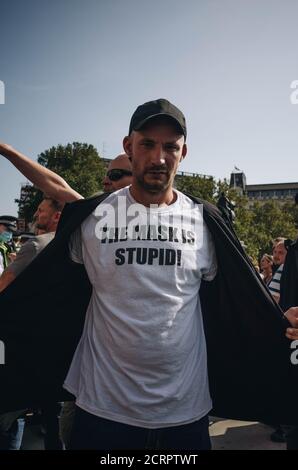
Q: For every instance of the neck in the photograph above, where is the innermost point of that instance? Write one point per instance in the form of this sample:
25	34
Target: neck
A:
146	198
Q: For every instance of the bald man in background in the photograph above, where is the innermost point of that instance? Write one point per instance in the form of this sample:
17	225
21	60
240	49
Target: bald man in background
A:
119	174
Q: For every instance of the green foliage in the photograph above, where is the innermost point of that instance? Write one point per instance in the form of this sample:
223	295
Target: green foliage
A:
256	224
80	166
28	206
198	186
268	220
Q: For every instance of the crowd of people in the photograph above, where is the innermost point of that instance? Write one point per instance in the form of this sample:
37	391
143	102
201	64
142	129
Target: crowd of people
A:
147	371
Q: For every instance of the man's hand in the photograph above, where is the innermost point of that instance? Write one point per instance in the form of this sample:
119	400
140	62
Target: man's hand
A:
292	316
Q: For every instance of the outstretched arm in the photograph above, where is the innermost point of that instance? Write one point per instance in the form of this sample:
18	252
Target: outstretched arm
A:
44	179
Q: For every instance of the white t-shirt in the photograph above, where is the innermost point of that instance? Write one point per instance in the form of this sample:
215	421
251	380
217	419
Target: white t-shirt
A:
141	359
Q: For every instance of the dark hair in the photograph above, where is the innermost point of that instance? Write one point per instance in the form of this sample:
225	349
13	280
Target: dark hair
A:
57	205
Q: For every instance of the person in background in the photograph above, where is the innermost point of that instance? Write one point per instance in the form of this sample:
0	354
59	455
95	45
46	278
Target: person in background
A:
8	226
279	256
266	268
119	174
12	424
47	217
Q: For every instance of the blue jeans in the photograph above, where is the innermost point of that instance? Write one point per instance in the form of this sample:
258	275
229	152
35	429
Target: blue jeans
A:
91	432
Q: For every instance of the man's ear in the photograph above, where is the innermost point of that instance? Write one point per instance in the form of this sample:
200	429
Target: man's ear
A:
184	152
127	146
57	216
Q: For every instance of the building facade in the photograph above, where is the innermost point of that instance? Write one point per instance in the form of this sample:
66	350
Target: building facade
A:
281	192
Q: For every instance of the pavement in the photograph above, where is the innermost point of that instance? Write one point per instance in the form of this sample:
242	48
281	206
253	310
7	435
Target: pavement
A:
242	435
225	435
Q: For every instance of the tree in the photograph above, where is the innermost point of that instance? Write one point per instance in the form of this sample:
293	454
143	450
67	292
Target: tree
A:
28	203
256	225
198	186
272	220
78	163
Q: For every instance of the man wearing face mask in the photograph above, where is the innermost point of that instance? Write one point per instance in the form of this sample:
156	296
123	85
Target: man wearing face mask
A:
8	225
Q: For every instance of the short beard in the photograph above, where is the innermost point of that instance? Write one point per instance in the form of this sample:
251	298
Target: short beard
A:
157	187
152	188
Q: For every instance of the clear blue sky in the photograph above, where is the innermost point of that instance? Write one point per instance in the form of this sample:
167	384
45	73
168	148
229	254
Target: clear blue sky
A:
75	70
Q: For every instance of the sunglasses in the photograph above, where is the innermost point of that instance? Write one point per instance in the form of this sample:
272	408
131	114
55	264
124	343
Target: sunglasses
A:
117	174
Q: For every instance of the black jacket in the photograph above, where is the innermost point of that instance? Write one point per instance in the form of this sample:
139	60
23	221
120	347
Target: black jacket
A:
289	278
42	316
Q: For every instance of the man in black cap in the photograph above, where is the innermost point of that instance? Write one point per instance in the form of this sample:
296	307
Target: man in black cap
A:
146	386
8	226
139	372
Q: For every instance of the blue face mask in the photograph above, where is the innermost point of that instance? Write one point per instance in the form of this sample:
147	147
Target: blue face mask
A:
5	237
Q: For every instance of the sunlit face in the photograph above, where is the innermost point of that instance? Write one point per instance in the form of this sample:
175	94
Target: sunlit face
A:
110	185
155	152
265	263
279	253
46	216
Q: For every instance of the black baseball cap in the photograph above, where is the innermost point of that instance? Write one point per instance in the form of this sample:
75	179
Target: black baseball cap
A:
152	109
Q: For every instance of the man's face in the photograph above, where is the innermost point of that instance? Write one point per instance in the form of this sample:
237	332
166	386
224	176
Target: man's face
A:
279	253
46	217
122	164
155	152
